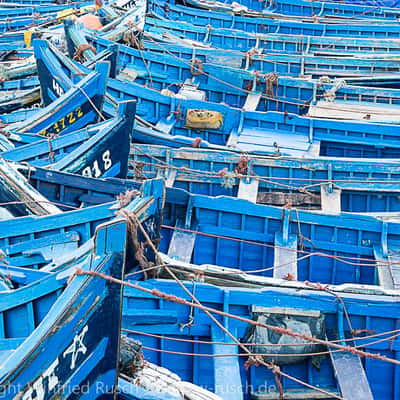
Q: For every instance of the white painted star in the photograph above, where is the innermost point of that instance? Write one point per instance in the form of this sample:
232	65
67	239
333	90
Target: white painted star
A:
76	347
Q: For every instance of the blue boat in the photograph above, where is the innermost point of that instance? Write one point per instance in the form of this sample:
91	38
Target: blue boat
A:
283	64
282	242
77	317
238	40
325	8
18	197
75	109
101	150
215	355
34	241
178	122
165	10
349	185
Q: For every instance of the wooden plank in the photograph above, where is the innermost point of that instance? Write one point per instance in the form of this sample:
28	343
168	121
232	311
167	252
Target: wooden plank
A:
388	269
182	244
285	256
286	311
331	199
248	190
227	379
252	100
350	374
294	199
171	175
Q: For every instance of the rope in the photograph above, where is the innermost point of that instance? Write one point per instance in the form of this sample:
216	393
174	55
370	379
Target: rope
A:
91	103
213	355
196	303
395	332
342	259
282	331
300	103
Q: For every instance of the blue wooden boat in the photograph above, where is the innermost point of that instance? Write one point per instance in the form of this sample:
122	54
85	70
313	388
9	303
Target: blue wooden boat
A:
78	107
284	64
176	73
332	248
200	17
34	241
235	8
180	122
18	68
101	150
234	39
77	319
70	191
301	8
18	197
10	101
324	8
348	185
186	340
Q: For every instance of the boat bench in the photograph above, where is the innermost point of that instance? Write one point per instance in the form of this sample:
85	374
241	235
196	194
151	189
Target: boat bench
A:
132	71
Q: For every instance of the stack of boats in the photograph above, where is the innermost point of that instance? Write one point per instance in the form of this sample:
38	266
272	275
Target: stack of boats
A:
200	200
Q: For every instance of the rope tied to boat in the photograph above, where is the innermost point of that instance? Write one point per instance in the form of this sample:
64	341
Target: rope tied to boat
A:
271	81
330	94
78	55
242	167
137	246
129	37
196	67
196	142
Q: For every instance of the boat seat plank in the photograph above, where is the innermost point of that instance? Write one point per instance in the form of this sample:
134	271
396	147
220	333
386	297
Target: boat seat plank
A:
166	125
285	256
36	245
331	199
248	190
263	140
182	244
388	274
132	72
226	369
349	110
252	100
350	375
171	175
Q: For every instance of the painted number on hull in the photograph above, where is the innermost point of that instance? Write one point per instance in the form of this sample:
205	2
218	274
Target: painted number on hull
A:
57	88
95	170
63	123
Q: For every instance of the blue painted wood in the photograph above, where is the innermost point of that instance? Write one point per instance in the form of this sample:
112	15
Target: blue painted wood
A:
80	223
256	132
71	111
238	234
322	8
167	32
366	311
101	150
80	326
268	25
365	186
